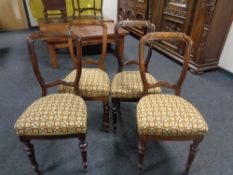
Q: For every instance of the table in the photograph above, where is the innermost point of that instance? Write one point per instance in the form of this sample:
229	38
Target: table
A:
89	33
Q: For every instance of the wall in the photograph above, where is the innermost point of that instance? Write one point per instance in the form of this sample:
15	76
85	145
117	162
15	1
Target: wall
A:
226	59
109	10
12	15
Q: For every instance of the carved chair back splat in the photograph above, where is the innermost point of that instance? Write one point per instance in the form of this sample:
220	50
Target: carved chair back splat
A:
164	36
100	26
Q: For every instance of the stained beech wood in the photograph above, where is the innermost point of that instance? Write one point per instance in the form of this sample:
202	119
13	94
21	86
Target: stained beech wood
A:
51	36
122	63
78	39
167	36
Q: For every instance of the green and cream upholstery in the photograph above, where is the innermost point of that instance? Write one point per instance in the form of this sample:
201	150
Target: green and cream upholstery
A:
94	82
128	84
169	115
56	114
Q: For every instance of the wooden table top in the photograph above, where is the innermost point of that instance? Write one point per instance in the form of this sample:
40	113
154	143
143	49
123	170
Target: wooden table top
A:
57	24
49	21
96	31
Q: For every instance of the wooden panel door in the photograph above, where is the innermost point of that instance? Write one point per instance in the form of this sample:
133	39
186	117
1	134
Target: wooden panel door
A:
12	15
176	17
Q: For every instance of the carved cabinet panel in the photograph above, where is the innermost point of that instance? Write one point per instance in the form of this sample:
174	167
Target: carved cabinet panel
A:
207	22
133	9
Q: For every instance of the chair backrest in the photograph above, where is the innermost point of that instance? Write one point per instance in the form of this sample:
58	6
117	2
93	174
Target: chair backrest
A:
88	5
156	36
132	23
50	36
80	33
54	5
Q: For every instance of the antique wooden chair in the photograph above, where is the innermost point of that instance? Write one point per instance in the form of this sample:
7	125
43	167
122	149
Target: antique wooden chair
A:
54	5
167	116
127	85
94	82
54	116
80	7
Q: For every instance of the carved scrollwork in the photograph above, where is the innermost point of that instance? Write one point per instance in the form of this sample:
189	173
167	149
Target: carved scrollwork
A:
210	7
172	27
179	14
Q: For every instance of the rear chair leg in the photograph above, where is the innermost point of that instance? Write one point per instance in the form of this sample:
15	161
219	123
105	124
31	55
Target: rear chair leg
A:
83	149
192	153
119	108
31	155
141	153
106	115
114	115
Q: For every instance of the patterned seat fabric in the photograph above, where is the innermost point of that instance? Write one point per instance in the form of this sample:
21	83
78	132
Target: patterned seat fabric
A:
57	114
128	84
94	82
169	115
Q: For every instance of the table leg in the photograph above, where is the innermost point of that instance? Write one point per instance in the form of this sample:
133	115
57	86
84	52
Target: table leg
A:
121	47
53	55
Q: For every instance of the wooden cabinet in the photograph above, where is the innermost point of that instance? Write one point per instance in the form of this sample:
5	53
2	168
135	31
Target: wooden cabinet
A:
133	9
207	22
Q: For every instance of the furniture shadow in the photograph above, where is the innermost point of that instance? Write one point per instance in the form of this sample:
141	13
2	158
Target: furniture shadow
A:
3	54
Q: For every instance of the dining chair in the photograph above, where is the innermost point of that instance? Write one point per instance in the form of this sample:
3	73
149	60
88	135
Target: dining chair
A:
168	117
53	116
127	85
82	6
54	5
94	82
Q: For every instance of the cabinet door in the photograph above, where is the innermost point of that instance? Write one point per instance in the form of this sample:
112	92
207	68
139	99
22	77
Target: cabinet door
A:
122	6
176	17
12	15
141	9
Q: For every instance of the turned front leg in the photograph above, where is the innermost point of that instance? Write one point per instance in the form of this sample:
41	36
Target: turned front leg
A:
31	154
83	149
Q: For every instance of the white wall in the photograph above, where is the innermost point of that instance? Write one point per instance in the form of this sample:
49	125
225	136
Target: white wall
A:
109	10
226	59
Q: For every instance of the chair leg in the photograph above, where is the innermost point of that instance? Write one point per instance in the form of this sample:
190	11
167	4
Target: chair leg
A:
141	153
114	115
31	155
192	153
106	115
83	149
119	108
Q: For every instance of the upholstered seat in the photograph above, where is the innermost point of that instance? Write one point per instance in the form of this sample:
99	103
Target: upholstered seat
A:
57	114
169	115
94	82
128	84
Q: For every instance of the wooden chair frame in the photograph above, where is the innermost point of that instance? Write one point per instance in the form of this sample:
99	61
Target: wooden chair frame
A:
90	61
50	5
121	64
176	86
44	87
79	9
